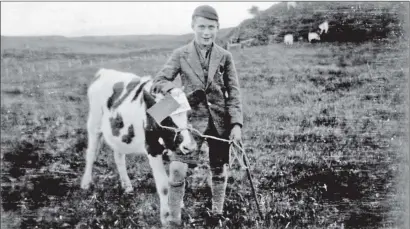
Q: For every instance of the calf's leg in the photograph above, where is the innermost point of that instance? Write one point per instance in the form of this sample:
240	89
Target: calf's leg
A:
122	170
161	183
94	143
178	172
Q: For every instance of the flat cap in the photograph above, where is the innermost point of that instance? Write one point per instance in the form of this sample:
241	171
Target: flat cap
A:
206	11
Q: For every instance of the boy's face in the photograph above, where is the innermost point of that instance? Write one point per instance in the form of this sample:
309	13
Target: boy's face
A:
205	30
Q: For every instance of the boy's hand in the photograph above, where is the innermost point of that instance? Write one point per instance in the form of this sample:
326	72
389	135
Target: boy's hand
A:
236	133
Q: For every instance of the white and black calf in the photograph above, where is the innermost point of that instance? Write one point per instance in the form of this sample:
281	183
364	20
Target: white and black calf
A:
118	113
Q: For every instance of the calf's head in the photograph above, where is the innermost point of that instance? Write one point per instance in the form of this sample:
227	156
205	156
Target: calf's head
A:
177	139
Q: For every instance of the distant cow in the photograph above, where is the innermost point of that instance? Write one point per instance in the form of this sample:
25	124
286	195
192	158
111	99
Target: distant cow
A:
291	4
288	39
324	27
118	104
313	37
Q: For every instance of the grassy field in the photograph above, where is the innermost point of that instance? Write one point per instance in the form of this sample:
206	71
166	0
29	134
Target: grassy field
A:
325	130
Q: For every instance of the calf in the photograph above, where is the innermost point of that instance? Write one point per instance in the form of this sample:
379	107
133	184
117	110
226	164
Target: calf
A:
288	39
118	114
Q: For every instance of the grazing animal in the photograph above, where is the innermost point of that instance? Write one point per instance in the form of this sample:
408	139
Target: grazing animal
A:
324	27
118	104
288	39
313	36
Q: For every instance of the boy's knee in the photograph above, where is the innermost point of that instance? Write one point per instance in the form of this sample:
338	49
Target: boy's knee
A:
219	173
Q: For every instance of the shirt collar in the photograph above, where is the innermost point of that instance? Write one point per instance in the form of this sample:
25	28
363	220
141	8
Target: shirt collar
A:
199	48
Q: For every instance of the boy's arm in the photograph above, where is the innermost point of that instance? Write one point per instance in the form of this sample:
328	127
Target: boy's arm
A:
162	82
234	100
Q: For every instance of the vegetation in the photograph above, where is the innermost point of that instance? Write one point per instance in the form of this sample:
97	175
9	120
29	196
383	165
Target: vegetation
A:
348	21
325	129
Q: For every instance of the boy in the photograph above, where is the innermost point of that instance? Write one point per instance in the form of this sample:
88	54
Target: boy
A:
210	80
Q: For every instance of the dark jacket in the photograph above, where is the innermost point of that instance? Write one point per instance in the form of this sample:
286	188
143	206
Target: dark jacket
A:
218	95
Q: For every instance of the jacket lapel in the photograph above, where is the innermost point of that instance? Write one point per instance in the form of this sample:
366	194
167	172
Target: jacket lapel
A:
193	62
216	56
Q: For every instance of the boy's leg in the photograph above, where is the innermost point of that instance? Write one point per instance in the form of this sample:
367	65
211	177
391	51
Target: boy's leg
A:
219	159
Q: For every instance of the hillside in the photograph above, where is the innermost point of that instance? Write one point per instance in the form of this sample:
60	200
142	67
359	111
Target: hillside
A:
94	45
348	21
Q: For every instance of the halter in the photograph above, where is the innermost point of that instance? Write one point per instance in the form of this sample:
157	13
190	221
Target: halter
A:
176	130
236	152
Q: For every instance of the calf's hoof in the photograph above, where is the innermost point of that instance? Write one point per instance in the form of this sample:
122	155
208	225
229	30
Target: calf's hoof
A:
164	216
128	189
85	183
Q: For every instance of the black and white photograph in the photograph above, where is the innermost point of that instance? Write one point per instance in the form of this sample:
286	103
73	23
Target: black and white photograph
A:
167	114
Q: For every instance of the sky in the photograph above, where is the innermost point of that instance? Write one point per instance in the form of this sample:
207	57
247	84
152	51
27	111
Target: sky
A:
113	18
